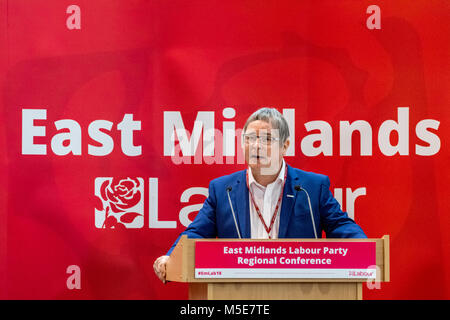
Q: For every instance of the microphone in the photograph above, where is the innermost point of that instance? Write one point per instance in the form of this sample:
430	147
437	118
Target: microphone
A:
298	188
232	211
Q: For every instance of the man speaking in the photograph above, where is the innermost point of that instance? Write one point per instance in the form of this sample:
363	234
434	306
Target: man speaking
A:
270	199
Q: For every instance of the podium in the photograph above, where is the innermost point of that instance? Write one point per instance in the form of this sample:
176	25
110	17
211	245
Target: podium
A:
264	282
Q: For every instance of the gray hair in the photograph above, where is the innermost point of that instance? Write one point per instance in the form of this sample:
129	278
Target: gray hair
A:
273	116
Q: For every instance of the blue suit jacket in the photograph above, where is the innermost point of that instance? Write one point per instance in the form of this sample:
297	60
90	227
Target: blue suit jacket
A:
216	220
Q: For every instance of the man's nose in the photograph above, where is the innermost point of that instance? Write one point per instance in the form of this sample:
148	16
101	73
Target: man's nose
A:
256	145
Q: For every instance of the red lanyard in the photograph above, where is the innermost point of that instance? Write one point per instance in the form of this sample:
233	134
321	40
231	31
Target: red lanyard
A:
268	229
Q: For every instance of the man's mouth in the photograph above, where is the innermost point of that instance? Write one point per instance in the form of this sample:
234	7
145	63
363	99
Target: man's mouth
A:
258	157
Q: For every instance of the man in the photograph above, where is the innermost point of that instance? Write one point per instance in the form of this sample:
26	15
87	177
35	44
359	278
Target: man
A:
270	199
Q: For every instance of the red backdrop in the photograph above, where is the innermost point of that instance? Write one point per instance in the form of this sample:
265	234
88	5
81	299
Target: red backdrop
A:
324	61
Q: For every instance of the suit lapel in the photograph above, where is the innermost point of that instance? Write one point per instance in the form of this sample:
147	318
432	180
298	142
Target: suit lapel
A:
240	202
288	201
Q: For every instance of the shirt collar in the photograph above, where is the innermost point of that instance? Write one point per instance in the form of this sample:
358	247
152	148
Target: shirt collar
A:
280	176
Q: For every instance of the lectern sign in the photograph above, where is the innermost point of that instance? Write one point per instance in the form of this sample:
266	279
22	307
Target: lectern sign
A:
291	259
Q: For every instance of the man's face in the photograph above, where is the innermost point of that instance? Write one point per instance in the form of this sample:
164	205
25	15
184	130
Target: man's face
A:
262	147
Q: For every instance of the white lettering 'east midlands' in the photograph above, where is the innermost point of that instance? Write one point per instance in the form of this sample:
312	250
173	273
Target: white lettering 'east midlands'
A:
317	141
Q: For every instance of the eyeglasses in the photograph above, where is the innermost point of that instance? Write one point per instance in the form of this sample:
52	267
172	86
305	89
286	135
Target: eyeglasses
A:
264	140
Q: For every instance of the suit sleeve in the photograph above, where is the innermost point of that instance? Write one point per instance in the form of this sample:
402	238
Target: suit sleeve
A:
335	222
204	224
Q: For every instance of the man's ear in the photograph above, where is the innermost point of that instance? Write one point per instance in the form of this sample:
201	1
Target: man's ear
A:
285	146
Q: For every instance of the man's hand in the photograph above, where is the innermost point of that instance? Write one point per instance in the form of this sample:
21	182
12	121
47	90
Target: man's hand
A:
160	267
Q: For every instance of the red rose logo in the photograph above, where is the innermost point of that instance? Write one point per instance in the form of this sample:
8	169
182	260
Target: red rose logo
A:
120	195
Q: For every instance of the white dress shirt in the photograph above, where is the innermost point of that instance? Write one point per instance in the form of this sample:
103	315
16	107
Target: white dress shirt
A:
266	199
